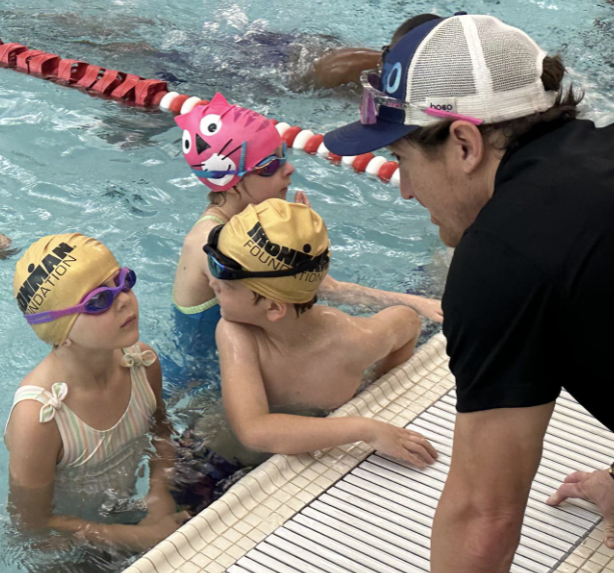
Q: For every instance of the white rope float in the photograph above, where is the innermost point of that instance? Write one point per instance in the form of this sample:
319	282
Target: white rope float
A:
134	90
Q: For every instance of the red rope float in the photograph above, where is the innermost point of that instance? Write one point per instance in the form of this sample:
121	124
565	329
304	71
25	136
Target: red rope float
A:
134	90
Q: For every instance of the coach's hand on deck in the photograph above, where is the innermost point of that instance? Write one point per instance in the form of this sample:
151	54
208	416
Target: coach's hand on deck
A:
402	444
597	487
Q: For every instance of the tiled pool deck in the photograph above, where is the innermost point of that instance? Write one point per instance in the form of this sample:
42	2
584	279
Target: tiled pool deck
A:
282	486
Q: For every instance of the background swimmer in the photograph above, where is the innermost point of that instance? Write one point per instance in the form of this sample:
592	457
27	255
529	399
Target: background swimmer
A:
344	65
279	349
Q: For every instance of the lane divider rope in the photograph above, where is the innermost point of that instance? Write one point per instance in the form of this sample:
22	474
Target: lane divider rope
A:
134	90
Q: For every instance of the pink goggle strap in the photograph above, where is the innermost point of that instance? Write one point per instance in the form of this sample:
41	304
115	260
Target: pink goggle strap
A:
450	115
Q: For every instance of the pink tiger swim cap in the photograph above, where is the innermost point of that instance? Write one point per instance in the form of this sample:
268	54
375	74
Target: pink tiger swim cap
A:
223	142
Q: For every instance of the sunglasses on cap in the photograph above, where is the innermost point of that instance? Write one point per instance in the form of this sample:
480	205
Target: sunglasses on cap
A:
96	302
373	98
267	167
227	269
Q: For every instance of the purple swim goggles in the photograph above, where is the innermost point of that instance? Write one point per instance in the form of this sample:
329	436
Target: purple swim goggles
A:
96	302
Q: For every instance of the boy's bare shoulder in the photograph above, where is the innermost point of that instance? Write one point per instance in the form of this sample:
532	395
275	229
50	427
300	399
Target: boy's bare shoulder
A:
362	338
228	328
344	331
235	335
365	325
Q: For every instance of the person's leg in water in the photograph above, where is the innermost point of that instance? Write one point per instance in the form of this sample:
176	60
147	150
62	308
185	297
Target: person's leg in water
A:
201	475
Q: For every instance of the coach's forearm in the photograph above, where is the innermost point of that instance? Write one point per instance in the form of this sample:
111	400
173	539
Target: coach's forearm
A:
469	539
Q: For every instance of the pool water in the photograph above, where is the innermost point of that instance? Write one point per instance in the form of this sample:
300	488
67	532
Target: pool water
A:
70	162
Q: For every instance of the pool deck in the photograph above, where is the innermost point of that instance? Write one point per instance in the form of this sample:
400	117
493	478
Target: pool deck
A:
281	487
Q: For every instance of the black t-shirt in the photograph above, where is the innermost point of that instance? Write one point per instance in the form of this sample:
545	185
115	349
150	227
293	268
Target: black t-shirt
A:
529	301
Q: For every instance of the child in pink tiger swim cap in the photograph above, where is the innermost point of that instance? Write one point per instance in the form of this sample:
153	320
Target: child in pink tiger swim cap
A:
223	143
239	155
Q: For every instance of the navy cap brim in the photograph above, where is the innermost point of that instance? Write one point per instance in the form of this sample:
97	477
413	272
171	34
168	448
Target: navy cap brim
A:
356	138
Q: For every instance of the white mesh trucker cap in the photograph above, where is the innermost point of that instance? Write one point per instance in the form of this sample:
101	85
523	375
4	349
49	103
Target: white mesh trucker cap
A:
469	65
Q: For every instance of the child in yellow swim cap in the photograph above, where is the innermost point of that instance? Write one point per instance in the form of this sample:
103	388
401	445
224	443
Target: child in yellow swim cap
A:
211	141
279	350
79	419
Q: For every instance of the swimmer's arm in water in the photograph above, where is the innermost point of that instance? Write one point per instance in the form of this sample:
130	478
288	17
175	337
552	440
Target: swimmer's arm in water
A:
34	449
343	66
247	408
339	292
160	502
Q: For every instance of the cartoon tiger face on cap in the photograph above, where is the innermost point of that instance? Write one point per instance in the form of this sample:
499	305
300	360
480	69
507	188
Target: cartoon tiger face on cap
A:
216	136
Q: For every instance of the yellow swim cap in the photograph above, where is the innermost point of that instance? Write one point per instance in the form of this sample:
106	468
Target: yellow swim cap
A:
276	235
57	272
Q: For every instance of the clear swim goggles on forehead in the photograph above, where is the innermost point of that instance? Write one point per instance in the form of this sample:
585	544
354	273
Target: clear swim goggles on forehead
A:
226	269
267	167
95	302
373	98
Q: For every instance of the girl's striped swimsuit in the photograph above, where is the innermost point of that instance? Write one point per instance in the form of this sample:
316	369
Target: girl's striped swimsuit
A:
95	461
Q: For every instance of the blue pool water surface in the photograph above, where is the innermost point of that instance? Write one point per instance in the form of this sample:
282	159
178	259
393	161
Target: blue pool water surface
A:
70	162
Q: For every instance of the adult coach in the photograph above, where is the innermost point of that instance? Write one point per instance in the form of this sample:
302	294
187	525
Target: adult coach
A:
488	141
